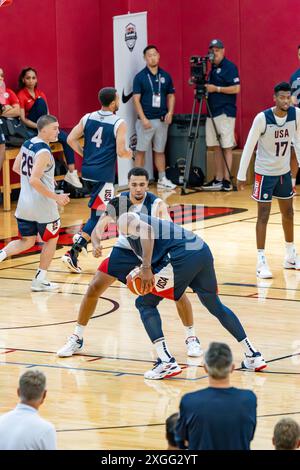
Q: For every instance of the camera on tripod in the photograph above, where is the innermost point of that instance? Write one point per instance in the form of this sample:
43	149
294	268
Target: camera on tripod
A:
199	70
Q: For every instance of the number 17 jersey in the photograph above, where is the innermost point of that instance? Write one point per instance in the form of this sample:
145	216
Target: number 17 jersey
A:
32	205
99	151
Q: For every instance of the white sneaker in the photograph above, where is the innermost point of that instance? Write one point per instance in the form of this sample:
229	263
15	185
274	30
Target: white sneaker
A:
263	270
72	346
73	179
75	240
292	263
163	370
165	183
255	362
43	286
193	346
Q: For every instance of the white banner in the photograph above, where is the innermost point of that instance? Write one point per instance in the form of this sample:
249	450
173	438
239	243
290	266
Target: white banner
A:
130	39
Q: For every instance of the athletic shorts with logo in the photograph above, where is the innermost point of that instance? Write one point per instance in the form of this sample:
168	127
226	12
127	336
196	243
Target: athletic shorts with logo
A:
173	274
46	231
100	194
266	187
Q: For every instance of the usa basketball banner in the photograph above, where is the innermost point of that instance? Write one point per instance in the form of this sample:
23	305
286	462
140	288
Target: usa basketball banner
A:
130	39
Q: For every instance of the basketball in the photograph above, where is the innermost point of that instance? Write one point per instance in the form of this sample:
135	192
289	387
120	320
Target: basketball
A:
134	282
5	3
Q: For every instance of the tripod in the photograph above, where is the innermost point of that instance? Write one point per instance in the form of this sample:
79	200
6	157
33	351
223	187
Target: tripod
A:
200	95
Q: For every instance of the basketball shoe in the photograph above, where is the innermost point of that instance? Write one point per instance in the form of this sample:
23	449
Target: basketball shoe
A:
163	370
43	286
263	270
193	346
292	263
73	345
71	261
255	362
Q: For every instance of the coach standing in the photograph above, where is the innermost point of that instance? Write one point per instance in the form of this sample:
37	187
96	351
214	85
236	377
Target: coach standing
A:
223	86
154	101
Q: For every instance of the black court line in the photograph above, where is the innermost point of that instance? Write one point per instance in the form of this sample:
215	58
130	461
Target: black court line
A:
256	286
115	307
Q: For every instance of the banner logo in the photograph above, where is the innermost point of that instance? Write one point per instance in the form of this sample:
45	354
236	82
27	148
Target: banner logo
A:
130	36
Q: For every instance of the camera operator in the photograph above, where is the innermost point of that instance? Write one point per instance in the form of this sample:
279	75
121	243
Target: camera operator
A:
223	86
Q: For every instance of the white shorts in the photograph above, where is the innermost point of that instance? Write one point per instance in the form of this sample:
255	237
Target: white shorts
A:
225	126
158	133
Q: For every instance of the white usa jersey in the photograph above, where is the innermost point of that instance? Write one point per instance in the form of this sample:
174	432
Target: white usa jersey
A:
273	136
32	205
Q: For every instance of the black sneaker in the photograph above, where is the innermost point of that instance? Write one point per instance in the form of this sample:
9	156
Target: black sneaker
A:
227	186
213	185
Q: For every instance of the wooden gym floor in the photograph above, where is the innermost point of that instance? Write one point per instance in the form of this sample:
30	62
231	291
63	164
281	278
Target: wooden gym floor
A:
99	400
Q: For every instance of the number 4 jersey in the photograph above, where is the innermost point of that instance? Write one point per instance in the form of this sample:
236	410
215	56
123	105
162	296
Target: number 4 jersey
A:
99	152
32	205
273	136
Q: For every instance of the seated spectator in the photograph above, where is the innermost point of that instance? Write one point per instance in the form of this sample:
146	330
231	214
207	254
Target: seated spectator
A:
286	435
9	107
23	428
170	431
33	103
219	417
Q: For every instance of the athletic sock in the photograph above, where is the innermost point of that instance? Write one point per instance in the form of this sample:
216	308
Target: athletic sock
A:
161	174
261	257
41	275
293	182
248	348
79	329
3	255
290	249
162	350
189	331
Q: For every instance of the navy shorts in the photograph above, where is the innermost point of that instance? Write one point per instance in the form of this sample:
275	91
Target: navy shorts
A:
2	136
100	194
193	268
46	231
265	187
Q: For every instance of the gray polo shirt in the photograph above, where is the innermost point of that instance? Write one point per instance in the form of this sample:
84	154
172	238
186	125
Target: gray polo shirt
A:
23	429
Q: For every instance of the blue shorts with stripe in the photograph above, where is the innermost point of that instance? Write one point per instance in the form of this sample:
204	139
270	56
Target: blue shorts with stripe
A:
100	194
173	274
46	231
265	187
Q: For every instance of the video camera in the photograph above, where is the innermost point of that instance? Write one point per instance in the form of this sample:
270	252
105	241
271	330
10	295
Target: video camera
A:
199	69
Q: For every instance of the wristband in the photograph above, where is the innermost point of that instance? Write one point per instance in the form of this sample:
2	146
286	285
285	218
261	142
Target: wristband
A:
146	266
219	89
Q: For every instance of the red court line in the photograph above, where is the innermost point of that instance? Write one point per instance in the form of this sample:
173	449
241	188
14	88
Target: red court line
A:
8	351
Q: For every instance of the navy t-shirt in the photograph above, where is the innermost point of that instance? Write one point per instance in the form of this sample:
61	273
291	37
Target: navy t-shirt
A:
224	74
161	83
295	84
217	419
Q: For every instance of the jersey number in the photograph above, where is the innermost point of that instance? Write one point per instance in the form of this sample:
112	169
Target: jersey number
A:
27	164
280	145
97	137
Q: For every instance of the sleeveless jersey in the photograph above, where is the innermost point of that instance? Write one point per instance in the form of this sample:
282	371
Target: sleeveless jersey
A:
32	205
147	206
99	151
274	145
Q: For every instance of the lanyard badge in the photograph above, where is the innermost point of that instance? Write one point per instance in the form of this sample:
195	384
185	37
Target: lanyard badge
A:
156	97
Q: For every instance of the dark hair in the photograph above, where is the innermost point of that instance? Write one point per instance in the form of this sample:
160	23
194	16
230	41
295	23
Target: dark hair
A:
138	171
218	360
118	206
282	86
107	95
43	121
171	422
22	75
286	434
151	46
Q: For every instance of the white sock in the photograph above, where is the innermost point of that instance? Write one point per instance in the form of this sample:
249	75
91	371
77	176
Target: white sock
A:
79	329
290	249
161	174
189	331
162	350
3	255
261	255
293	182
41	275
248	348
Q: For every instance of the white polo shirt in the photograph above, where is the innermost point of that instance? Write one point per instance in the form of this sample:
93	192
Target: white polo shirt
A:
23	429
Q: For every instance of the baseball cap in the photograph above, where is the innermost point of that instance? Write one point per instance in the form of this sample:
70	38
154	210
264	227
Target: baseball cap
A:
216	43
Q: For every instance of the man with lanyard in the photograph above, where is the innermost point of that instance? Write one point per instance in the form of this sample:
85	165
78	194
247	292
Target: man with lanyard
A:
223	87
122	260
154	100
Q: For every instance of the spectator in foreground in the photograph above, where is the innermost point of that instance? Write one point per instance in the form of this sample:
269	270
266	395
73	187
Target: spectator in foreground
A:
171	422
286	435
219	417
23	428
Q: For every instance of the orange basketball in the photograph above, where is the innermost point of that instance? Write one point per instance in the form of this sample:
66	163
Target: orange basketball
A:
5	3
134	282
